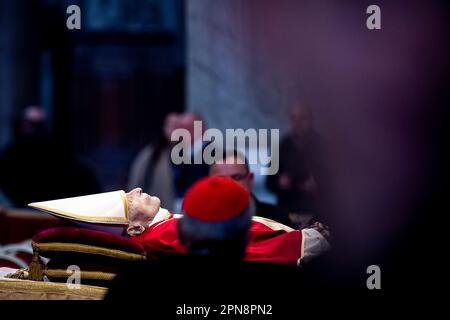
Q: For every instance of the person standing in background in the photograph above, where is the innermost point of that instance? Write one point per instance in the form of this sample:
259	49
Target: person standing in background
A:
151	170
38	165
296	184
186	174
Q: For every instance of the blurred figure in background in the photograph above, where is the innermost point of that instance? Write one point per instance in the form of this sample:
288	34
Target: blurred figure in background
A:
152	170
36	165
187	174
236	167
295	184
32	122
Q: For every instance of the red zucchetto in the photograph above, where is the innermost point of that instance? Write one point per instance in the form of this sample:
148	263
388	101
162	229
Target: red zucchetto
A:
215	199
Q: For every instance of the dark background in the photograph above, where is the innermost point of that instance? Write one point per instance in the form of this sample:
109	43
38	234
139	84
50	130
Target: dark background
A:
382	100
106	87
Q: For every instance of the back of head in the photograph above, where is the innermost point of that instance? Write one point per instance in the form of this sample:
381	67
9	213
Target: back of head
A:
216	219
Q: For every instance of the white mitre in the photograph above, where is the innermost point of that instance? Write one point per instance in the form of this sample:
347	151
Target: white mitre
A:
102	211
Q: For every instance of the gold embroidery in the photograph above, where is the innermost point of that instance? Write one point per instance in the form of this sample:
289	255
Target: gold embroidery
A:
83	248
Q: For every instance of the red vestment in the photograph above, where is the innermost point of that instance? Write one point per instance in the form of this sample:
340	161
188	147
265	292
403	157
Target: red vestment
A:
269	241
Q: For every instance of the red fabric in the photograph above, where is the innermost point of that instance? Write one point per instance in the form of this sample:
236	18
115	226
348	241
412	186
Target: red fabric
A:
224	197
15	228
278	246
89	237
265	245
8	264
23	256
